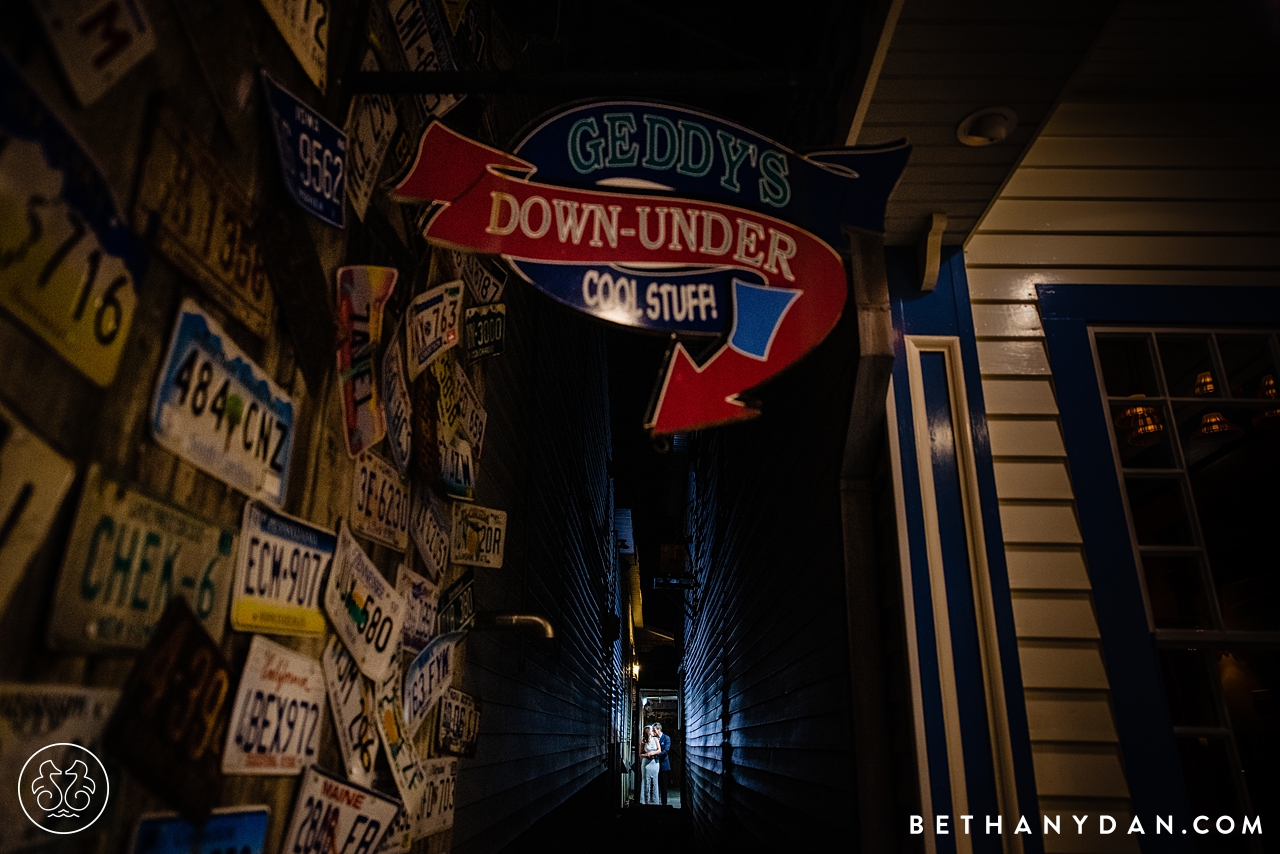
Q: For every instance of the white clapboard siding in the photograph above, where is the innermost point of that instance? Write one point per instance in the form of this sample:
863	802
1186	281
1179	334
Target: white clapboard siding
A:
1017	358
1070	716
1044	523
1046	568
1006	320
1062	664
1063	616
1019	396
1019	283
1025	437
1070	839
1080	771
1033	480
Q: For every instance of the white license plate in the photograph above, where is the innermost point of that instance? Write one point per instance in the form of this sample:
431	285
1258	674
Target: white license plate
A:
427	678
351	699
221	412
276	722
459	726
437	802
432	325
366	611
402	756
395	401
279	573
331	814
379	502
479	535
421	596
430	525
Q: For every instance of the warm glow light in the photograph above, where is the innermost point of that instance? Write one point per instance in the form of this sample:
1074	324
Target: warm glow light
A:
1204	383
635	670
1214	427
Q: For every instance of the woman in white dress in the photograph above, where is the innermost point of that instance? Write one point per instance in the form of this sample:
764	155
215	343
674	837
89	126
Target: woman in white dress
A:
649	752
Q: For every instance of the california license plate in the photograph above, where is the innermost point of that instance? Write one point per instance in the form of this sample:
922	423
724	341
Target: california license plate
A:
279	572
219	411
276	722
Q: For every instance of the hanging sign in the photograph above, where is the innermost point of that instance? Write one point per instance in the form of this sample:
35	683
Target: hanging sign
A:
366	611
427	678
431	527
432	325
332	815
196	216
32	717
313	153
229	830
351	699
362	292
457	609
738	243
458	729
69	266
127	557
279	708
395	400
422	596
218	410
34	478
97	41
479	535
173	715
484	330
380	502
281	566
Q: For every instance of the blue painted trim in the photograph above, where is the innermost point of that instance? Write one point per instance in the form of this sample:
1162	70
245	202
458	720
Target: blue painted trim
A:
946	311
1143	721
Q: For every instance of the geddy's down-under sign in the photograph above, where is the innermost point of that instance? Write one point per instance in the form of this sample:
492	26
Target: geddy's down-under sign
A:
670	220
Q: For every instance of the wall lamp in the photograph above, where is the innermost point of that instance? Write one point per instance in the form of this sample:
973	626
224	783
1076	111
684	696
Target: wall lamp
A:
490	620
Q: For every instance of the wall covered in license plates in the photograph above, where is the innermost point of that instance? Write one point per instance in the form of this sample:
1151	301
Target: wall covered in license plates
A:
268	461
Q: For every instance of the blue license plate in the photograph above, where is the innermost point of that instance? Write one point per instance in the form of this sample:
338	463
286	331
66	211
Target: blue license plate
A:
313	154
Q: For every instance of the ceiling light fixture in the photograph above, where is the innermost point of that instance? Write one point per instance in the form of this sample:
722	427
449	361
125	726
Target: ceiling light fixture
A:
987	127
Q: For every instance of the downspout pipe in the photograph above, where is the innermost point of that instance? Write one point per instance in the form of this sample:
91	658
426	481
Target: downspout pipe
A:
863	442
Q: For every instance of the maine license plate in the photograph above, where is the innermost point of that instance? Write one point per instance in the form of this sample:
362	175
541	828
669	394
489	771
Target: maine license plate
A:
484	330
313	154
69	266
276	722
380	502
366	611
281	566
199	219
432	325
479	535
352	703
127	556
332	815
218	410
459	724
427	678
229	830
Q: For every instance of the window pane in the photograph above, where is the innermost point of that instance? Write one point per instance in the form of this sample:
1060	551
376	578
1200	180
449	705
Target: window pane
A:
1251	690
1142	434
1247	360
1126	365
1188	687
1210	431
1175	588
1159	511
1188	367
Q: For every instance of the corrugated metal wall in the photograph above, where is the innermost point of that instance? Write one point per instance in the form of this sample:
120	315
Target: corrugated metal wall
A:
1113	193
766	685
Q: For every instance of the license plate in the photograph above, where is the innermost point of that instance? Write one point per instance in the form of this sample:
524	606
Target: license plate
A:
171	722
97	41
379	502
362	292
371	124
238	830
484	330
395	400
217	409
34	478
399	839
127	556
485	279
457	468
33	717
305	27
457	610
282	562
459	727
449	401
427	678
197	217
69	266
402	756
276	722
430	525
332	815
479	535
422	596
367	613
432	325
441	778
351	699
421	35
474	416
313	154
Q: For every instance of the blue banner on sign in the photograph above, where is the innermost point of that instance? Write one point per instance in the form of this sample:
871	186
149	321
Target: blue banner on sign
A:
646	146
313	154
240	830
